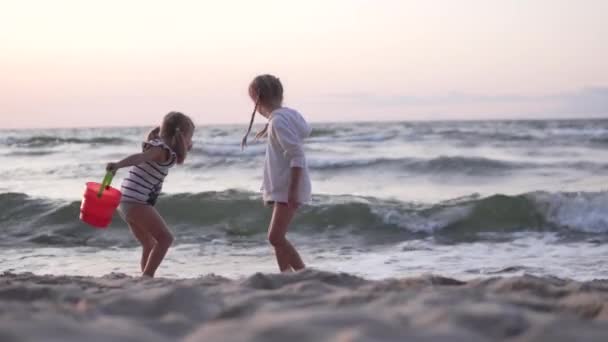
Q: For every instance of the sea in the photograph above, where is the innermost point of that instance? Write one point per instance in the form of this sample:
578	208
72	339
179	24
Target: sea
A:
464	199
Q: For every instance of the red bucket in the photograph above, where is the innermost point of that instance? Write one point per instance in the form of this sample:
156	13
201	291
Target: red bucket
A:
99	203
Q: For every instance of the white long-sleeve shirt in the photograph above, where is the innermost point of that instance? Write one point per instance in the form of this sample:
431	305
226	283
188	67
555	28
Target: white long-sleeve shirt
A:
286	132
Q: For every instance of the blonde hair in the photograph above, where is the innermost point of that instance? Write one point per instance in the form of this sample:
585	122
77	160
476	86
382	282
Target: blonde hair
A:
268	91
173	128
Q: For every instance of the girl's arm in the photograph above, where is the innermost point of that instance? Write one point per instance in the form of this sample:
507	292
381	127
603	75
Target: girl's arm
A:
294	183
155	153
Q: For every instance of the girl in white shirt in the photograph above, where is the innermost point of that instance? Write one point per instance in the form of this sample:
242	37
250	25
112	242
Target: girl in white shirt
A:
286	181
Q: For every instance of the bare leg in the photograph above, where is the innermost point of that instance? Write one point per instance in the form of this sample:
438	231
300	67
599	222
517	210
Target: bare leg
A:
287	257
145	255
147	243
145	239
148	218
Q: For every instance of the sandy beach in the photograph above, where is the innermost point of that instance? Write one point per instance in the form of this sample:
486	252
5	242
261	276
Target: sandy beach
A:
430	170
306	306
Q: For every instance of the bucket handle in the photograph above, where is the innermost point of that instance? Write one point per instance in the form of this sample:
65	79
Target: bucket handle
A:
107	180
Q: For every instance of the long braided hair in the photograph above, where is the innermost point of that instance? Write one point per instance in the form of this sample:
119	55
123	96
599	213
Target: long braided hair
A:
265	90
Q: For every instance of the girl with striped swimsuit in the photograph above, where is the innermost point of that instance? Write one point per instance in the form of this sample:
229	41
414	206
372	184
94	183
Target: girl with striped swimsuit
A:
166	146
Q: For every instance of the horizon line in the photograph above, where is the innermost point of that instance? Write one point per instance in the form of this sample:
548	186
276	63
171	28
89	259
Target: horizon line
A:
387	121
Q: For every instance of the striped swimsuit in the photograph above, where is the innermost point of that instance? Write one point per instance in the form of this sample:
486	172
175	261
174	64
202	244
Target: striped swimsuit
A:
144	182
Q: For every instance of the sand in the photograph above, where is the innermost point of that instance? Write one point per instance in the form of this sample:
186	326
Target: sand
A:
307	306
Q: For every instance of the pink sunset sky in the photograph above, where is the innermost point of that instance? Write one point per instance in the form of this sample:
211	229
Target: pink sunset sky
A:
115	63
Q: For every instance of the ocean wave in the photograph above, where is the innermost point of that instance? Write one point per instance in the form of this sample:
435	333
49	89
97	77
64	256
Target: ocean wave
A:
229	150
29	153
202	217
358	133
460	134
438	165
49	141
457	165
325	132
599	140
446	165
556	133
371	137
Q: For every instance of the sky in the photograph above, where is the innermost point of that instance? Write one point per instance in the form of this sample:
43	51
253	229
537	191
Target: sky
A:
115	63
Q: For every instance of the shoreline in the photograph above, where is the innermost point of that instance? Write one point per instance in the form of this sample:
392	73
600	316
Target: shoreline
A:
311	305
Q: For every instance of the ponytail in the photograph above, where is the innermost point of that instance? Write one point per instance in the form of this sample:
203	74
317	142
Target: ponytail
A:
180	146
175	124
